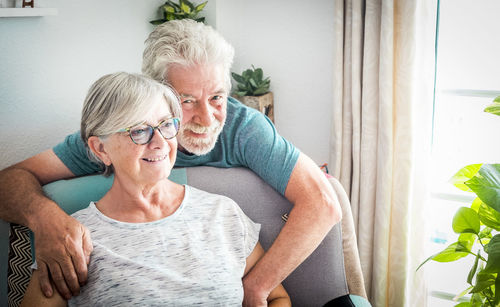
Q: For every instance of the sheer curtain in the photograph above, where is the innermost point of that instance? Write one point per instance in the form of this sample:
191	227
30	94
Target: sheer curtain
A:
382	115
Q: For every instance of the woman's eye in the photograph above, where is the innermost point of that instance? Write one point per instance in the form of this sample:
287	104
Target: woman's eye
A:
138	131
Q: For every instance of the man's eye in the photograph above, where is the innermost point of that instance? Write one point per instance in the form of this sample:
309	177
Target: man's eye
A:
189	101
217	99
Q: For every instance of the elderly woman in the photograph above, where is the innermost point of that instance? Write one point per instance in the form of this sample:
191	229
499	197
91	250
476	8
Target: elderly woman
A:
155	242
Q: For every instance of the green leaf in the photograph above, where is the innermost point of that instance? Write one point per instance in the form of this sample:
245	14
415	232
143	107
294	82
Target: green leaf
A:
466	221
201	19
247	74
463	175
200	7
461	294
173	4
259	74
485	233
497	290
157	22
463	304
477	300
493	250
252	82
185	7
494	108
260	91
168	8
476	203
241	93
489	216
473	270
450	253
483	281
467	240
170	16
486	184
238	78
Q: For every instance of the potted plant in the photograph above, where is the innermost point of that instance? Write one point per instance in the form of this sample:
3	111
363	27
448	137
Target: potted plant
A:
252	89
182	10
477	227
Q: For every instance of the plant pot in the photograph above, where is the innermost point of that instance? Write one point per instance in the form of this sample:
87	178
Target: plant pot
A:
263	103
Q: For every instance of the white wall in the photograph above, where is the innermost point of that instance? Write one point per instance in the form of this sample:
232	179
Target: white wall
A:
48	63
292	41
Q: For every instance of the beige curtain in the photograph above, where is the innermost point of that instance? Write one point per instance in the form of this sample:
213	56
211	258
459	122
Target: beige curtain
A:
382	111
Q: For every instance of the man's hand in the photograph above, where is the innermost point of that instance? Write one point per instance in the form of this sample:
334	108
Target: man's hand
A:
63	248
252	297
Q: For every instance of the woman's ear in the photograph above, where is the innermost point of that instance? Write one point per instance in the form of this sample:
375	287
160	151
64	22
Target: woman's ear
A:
97	147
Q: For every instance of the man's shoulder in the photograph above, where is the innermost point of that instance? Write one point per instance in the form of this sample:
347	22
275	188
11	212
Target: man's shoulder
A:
240	116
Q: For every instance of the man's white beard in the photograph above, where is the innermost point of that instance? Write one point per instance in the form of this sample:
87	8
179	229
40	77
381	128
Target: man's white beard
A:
199	146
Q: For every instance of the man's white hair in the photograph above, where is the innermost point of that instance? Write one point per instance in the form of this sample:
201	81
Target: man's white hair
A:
186	43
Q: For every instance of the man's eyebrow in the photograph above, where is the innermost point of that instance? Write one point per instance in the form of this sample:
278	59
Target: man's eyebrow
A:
218	92
221	91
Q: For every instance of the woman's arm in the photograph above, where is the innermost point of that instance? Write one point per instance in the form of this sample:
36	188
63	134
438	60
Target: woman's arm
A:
35	297
278	296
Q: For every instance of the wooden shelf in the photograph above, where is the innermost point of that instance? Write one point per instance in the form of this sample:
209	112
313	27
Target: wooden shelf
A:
27	12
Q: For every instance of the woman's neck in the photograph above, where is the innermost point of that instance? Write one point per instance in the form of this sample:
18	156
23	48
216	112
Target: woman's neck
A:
135	203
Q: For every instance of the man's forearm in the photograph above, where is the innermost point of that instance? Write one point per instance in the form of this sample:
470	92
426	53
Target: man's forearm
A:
306	227
21	196
316	209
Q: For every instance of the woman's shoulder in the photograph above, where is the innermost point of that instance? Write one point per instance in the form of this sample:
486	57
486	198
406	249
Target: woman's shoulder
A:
197	195
199	200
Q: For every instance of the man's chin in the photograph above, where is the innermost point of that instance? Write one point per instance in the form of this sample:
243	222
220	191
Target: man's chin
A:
195	149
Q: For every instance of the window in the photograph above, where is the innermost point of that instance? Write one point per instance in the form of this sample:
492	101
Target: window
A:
467	80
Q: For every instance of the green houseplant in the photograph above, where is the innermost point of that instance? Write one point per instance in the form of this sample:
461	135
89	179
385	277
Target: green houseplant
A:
253	90
182	10
477	227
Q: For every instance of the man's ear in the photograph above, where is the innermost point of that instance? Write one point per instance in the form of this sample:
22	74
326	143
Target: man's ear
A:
97	147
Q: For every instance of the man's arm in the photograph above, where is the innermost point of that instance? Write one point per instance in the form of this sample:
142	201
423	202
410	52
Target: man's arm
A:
63	244
278	296
316	210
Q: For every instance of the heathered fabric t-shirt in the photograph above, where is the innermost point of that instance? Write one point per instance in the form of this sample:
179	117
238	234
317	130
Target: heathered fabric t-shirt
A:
195	256
248	139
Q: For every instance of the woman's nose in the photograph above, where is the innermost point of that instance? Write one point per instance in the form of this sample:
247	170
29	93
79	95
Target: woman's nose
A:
157	140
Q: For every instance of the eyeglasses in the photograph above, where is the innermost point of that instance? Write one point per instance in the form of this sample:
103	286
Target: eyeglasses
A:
143	134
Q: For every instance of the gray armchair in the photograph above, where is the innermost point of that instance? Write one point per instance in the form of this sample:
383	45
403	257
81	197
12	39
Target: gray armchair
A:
332	274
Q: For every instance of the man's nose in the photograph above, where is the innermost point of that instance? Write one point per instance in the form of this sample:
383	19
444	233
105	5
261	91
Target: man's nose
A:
204	114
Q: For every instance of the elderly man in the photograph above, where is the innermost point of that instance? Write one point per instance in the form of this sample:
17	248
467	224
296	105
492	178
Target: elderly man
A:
216	130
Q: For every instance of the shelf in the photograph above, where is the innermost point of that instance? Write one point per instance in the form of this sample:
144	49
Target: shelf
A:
27	12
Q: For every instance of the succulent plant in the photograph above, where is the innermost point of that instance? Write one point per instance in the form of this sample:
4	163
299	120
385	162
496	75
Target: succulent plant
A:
184	9
251	82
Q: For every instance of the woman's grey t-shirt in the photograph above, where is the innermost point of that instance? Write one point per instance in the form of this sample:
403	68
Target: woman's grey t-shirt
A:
195	256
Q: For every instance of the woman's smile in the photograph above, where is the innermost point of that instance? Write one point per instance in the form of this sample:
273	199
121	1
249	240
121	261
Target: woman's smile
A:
156	159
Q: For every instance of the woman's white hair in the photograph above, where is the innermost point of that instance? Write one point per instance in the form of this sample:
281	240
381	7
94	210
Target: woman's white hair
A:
186	43
120	100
